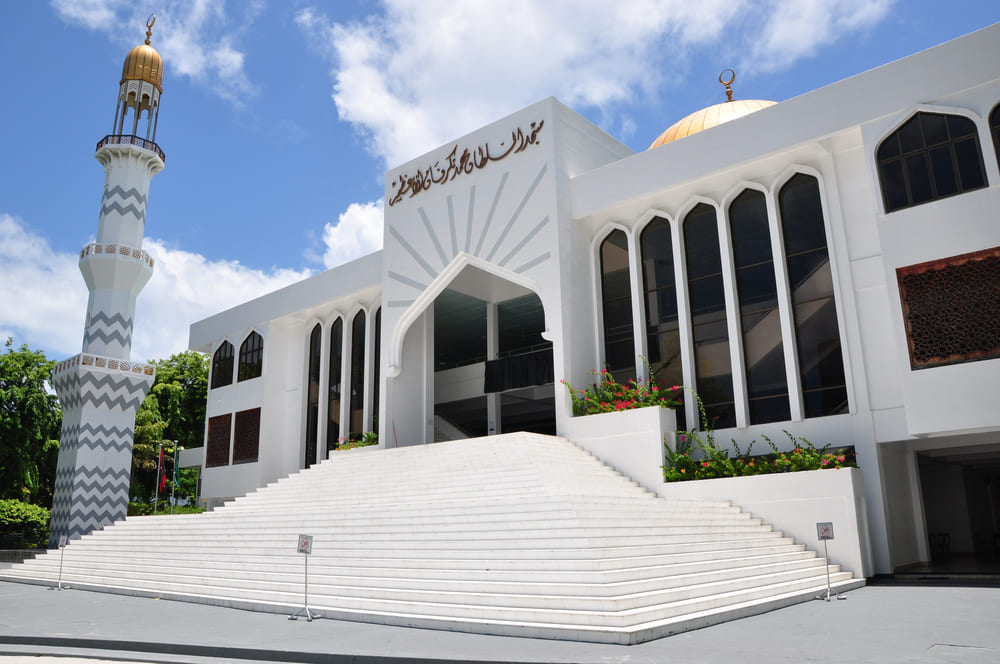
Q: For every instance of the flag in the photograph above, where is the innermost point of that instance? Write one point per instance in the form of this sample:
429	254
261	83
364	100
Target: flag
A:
163	471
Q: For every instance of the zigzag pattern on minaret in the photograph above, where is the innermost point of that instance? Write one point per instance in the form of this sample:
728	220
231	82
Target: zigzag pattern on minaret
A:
99	437
98	391
103	327
138	210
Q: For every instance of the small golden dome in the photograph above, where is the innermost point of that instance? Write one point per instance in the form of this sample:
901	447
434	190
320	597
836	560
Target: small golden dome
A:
712	116
143	63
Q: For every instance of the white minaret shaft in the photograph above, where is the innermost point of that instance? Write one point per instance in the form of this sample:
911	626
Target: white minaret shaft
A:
101	389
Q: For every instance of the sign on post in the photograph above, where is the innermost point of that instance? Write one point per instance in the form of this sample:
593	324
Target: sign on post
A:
305	545
824	531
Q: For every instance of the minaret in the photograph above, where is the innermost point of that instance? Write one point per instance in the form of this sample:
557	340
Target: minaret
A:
101	388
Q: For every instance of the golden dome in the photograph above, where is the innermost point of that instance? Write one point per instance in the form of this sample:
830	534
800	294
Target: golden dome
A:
712	116
143	63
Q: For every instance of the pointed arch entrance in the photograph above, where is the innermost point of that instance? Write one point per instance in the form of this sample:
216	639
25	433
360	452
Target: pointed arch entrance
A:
471	356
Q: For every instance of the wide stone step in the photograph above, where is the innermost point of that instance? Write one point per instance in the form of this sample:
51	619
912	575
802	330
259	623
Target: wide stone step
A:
512	534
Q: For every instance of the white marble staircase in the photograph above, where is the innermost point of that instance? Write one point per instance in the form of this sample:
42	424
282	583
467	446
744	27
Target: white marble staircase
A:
518	534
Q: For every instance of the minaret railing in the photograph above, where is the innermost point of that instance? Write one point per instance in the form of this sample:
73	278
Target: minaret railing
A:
131	139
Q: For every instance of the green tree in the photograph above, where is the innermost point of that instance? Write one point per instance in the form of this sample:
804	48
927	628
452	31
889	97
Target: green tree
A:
30	419
172	413
181	391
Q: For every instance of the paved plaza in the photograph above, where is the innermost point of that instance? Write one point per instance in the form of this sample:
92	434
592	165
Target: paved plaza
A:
874	624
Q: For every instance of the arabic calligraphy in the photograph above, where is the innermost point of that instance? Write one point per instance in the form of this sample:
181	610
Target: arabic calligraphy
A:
454	164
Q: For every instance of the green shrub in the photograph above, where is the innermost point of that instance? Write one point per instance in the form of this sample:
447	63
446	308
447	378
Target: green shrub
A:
698	457
23	525
608	395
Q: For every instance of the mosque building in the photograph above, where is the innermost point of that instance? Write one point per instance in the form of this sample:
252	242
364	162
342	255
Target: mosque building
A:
827	266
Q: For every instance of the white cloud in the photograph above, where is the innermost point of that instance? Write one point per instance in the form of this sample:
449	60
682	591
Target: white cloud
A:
357	233
795	30
196	39
44	299
421	73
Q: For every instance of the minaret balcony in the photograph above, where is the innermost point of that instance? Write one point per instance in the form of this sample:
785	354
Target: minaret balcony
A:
131	139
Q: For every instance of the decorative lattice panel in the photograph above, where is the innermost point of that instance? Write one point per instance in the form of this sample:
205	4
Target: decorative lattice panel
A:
217	447
247	437
951	308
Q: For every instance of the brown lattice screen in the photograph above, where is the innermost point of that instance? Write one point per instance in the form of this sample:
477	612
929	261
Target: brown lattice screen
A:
217	448
247	438
951	308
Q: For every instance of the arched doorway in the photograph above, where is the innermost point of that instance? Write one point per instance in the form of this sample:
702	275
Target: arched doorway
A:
493	370
475	360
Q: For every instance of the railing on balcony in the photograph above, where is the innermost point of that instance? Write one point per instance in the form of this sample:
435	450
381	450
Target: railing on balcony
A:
131	139
520	368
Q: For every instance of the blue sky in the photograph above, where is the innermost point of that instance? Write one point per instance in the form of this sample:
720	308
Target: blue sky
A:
280	117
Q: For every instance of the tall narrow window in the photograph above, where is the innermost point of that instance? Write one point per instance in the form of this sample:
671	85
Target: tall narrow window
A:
312	395
357	414
763	353
662	327
930	156
251	357
814	309
616	293
222	365
709	327
995	130
377	369
333	395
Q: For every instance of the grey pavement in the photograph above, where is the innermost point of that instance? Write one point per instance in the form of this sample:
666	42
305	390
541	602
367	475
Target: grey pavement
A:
885	624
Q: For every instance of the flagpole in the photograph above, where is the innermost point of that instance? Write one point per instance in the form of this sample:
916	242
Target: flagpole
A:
159	460
173	479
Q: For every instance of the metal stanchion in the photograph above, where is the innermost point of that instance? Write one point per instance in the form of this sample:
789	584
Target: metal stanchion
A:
63	541
824	531
305	548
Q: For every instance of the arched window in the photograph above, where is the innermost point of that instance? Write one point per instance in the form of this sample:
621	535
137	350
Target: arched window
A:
662	327
251	357
222	365
709	326
357	414
930	156
616	294
312	395
817	335
757	294
995	130
333	393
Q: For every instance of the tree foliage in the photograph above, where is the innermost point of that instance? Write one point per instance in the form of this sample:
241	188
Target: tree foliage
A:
172	413
30	419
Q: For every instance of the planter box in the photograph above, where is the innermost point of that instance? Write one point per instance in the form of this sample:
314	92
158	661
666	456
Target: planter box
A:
794	503
630	441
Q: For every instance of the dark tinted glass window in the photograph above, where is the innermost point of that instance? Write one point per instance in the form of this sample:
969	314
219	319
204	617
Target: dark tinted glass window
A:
663	339
930	156
333	390
222	365
709	331
520	323
995	130
459	330
377	371
616	294
251	357
814	310
312	395
763	352
357	414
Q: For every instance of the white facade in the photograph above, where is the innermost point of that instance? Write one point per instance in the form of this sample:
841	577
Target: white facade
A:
523	207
